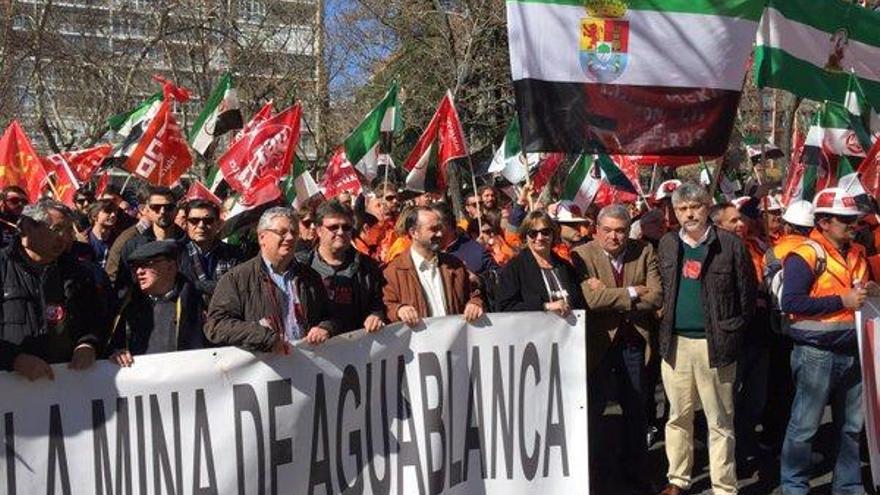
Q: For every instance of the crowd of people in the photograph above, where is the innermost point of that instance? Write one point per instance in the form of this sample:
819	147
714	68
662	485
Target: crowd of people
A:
679	289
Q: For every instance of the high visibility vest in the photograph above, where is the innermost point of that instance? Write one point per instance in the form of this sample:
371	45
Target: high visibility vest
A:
840	275
756	248
781	248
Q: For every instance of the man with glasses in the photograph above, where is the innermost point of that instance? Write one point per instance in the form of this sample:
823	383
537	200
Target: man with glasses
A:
308	229
353	281
12	201
826	281
709	296
159	210
163	311
49	312
205	257
271	300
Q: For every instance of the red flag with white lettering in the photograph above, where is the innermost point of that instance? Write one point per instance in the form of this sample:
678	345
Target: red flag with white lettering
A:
20	164
197	190
339	176
869	170
261	116
441	142
266	151
162	155
83	164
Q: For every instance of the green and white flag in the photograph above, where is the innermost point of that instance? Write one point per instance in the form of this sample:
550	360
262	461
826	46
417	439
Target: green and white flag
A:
299	186
214	178
364	145
809	49
220	115
513	164
864	118
583	182
130	127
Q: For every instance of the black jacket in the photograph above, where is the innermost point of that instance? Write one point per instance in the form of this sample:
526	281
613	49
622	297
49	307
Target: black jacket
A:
226	256
135	324
366	279
246	295
522	288
728	293
47	310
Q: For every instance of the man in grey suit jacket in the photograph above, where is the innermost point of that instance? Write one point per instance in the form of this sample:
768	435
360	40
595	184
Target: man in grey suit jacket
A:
622	288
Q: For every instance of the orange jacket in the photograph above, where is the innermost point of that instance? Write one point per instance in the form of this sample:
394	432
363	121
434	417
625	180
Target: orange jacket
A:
840	275
757	248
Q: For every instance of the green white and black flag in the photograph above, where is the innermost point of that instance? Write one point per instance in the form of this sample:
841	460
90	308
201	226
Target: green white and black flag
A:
220	115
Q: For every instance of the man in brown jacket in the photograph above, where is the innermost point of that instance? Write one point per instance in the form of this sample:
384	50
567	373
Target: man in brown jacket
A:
265	303
423	282
622	288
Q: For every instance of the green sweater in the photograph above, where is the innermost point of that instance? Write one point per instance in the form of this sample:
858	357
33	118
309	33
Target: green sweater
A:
689	317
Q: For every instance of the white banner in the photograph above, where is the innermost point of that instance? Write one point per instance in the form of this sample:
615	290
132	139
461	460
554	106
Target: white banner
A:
452	408
868	330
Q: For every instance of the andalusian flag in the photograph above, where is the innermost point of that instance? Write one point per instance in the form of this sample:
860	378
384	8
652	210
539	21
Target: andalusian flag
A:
590	175
299	186
510	161
441	142
373	136
220	115
131	125
810	48
605	75
864	118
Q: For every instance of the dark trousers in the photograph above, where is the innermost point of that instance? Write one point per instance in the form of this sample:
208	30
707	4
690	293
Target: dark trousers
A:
623	369
751	385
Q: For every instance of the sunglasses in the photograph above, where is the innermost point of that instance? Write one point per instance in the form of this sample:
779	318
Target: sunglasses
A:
547	232
207	221
80	201
344	227
307	223
165	206
16	200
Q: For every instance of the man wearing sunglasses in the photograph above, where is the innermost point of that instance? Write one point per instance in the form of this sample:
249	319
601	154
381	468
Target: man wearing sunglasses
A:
353	280
159	211
49	311
12	200
826	281
205	257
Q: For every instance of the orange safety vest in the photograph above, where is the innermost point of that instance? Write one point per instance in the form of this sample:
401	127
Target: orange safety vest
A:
781	248
840	275
757	248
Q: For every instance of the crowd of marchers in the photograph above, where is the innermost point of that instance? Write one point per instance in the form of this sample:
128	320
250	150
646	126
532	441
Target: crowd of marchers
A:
743	309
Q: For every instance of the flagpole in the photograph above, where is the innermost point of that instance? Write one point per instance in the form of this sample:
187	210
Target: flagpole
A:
52	187
762	136
474	185
124	184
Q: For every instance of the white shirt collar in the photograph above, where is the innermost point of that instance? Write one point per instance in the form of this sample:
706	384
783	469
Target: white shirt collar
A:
687	240
421	263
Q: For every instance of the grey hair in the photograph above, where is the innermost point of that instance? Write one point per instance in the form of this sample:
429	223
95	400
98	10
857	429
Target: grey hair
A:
615	210
273	213
39	211
690	191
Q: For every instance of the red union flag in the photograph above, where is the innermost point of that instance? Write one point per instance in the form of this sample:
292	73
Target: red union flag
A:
162	155
267	150
339	176
441	142
82	164
867	320
20	164
869	170
197	190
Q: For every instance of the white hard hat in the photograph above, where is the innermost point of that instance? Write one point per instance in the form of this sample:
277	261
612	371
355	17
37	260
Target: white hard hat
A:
741	201
666	189
770	203
799	213
836	201
568	212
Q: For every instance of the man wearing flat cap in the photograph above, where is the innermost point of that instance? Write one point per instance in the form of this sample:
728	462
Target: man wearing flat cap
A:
162	311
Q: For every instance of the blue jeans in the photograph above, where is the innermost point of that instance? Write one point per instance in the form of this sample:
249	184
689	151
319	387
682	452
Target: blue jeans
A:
624	365
821	376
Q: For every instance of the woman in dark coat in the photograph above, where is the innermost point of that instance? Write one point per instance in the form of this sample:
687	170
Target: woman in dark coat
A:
537	279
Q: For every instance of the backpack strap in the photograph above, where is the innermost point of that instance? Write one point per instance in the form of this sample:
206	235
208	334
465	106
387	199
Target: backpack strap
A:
821	261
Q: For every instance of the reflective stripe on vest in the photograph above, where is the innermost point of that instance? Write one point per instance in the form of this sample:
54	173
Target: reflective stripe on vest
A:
838	277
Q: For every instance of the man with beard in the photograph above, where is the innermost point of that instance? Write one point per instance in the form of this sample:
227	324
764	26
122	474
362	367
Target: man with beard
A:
205	258
353	280
271	300
424	282
49	312
159	210
708	293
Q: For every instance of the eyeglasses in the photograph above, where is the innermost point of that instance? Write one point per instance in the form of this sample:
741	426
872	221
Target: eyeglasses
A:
282	233
546	232
207	221
344	227
390	198
307	223
151	263
80	201
157	208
